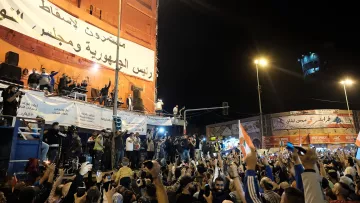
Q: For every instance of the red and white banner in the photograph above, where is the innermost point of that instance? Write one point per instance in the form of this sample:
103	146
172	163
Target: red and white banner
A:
273	141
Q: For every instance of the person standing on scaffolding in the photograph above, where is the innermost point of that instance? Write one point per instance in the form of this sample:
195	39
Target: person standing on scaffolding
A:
10	103
104	94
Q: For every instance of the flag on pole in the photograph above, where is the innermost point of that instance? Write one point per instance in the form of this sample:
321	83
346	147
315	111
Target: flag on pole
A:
358	140
244	141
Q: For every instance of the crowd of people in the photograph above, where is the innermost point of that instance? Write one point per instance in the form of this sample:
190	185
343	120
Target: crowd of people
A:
183	170
46	81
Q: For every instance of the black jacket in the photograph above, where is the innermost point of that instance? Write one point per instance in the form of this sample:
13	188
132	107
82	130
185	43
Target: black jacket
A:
63	83
75	146
51	136
33	78
105	90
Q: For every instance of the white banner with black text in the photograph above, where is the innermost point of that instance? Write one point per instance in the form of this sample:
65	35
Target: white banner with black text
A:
70	112
44	21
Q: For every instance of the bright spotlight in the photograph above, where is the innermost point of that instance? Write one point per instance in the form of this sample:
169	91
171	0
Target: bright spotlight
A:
261	62
347	82
161	130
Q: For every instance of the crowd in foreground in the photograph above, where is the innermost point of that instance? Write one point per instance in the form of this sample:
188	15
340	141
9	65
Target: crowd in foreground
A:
287	177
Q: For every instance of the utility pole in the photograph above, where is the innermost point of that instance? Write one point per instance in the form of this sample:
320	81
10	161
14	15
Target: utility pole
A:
117	77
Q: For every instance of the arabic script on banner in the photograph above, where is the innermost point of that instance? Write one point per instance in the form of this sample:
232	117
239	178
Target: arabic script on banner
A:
312	121
69	112
44	21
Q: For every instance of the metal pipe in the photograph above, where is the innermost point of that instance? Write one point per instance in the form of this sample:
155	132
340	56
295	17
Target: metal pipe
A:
201	109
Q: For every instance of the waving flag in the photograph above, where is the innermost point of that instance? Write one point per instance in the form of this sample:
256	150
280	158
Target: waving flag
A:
244	141
358	140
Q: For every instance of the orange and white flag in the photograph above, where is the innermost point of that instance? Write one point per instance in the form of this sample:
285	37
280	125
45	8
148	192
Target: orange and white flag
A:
358	140
244	140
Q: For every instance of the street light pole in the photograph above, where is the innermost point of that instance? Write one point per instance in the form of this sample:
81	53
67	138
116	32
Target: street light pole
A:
344	83
117	77
259	89
347	102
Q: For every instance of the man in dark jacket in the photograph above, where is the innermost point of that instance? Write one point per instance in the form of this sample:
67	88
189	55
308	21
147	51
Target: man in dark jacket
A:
63	83
33	80
51	137
104	94
75	149
119	146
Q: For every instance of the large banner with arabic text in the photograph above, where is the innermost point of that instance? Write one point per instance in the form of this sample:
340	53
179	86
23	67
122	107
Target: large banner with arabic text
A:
44	21
312	121
70	112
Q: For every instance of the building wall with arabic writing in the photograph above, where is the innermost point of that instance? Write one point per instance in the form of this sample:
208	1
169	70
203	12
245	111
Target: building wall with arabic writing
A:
311	127
231	129
138	25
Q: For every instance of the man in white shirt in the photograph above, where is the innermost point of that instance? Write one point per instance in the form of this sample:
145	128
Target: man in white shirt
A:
129	102
130	148
175	111
44	80
158	107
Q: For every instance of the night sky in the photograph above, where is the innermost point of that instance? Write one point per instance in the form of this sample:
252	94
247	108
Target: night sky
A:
207	48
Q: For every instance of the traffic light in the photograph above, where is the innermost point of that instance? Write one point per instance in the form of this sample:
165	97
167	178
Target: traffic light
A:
225	110
118	123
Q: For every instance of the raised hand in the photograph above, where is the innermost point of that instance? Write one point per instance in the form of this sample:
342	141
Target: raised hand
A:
81	199
85	167
309	159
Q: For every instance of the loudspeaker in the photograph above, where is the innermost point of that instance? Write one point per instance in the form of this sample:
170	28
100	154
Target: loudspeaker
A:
12	58
95	93
138	102
9	71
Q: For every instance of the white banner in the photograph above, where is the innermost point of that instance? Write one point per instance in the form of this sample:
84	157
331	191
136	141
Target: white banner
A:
69	112
33	105
158	121
44	21
312	121
315	112
133	122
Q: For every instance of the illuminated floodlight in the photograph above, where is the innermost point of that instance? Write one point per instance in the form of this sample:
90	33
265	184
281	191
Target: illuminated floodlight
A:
161	130
347	81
